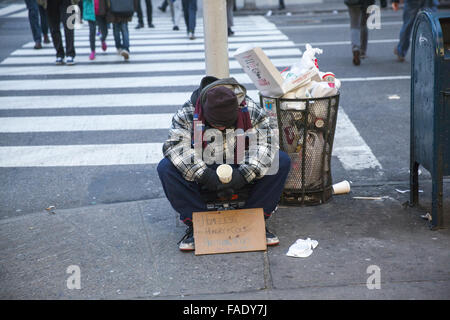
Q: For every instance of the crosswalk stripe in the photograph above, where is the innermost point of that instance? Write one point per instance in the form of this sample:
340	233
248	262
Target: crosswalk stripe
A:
112	57
159	99
127	68
350	148
85	123
152	42
110	82
81	155
11	8
159	48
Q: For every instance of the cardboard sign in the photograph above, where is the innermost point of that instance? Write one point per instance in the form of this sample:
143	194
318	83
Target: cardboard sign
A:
229	231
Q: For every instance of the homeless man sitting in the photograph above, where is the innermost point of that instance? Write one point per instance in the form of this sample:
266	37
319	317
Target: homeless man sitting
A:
214	126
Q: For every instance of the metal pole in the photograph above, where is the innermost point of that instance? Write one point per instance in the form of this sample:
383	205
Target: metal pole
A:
216	38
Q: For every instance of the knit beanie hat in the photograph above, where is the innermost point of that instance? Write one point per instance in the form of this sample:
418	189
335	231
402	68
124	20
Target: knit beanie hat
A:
220	107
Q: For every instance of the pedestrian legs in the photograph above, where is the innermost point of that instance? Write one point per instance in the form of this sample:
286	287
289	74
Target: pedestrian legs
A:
185	196
190	13
121	38
57	10
410	10
33	18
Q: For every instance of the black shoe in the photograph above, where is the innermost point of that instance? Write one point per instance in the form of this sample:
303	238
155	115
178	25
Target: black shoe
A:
187	242
230	32
139	26
356	58
271	239
151	25
37	45
175	28
46	39
162	9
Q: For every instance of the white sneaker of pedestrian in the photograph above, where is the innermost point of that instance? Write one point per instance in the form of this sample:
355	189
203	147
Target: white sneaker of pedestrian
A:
59	61
125	54
70	61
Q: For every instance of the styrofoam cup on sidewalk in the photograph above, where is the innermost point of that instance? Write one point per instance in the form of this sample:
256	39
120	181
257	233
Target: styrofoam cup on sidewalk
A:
225	172
341	187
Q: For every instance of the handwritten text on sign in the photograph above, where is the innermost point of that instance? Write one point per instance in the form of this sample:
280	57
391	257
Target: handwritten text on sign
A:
229	231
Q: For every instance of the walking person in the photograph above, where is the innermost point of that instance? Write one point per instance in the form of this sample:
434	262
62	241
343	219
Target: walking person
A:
410	11
57	13
44	21
175	11
164	5
148	4
38	23
100	18
120	27
359	32
220	105
190	16
230	14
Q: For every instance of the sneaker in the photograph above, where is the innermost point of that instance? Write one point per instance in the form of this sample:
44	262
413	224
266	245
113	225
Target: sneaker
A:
104	46
139	26
175	28
191	36
151	25
125	54
70	60
46	39
92	55
187	242
59	60
399	57
38	45
271	239
356	58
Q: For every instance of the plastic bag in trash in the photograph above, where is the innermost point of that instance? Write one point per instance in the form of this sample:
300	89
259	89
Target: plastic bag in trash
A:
302	248
303	71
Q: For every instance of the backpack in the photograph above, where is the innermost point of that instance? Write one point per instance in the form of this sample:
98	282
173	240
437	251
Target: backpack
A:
122	7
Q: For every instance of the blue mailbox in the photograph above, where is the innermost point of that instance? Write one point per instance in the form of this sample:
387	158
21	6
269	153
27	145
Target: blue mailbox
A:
430	107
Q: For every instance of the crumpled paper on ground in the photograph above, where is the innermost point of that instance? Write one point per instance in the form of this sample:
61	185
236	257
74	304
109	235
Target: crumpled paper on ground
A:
302	248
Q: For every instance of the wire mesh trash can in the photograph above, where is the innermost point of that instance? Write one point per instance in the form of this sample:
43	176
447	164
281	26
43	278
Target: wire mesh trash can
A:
306	132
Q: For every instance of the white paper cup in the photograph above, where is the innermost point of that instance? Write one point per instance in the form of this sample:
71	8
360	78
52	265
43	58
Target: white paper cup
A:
225	173
341	187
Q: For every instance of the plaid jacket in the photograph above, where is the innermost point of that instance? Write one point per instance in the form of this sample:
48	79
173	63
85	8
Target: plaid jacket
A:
258	159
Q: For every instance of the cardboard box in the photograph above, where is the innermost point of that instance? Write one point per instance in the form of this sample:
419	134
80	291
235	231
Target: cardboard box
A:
265	75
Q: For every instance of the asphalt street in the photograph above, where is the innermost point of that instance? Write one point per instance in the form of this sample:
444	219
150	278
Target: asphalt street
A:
374	97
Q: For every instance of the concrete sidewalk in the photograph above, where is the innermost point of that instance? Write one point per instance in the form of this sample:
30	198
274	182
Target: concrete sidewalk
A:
129	251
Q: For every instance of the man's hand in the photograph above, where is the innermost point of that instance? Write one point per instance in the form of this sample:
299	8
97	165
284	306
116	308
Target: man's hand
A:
237	182
210	180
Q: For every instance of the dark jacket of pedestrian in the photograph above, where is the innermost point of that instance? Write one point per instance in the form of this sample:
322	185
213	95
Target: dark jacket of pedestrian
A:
117	18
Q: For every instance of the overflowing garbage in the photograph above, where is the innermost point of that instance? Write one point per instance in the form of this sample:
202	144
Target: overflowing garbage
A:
302	102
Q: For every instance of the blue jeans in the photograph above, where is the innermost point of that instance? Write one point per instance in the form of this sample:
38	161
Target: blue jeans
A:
190	14
410	11
185	197
121	35
33	17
